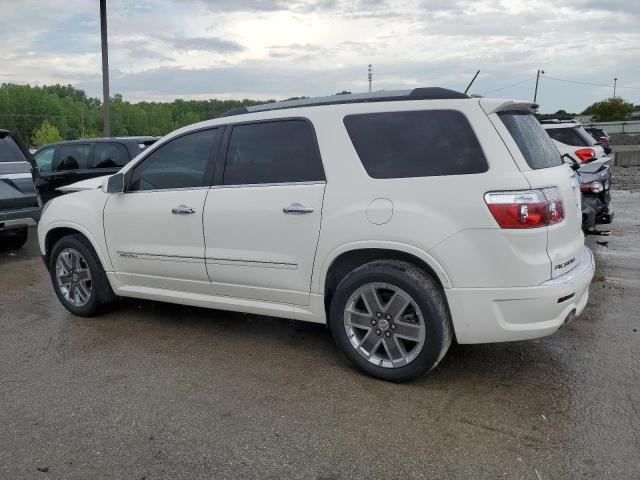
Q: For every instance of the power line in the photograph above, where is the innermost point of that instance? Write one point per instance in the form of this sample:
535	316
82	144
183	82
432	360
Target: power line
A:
588	83
508	86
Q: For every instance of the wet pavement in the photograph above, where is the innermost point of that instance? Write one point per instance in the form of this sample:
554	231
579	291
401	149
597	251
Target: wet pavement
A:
155	391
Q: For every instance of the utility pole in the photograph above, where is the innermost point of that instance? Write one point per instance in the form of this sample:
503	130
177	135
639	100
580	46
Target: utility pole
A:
370	76
535	93
106	113
471	82
615	82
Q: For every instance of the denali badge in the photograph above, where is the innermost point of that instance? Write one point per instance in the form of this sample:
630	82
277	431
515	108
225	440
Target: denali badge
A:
565	264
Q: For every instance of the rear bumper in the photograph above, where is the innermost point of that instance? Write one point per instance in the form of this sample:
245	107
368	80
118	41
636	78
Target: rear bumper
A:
485	315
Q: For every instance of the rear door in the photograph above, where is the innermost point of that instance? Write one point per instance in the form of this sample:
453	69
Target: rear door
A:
540	163
262	218
16	179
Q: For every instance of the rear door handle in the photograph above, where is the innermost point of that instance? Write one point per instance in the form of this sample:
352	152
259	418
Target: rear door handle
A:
297	209
183	210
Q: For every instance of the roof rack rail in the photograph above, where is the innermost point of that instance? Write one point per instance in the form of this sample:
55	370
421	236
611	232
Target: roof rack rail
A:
428	93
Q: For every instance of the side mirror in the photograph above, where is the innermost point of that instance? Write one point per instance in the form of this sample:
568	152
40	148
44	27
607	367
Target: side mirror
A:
115	184
566	158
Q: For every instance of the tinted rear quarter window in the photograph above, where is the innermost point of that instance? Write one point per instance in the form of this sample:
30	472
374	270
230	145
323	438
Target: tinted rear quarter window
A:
110	155
415	144
9	151
536	146
73	157
273	152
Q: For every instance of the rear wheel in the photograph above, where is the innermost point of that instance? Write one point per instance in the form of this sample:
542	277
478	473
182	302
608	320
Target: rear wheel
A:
391	320
78	278
14	238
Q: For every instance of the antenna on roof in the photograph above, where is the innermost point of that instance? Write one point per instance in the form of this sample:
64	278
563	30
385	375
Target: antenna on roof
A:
471	82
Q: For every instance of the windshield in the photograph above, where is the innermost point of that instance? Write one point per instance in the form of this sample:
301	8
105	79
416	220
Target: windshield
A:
534	144
574	136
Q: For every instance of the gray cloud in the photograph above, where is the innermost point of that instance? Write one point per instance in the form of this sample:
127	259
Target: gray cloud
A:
211	44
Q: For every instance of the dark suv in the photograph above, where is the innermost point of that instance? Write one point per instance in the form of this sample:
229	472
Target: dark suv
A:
19	202
68	162
600	136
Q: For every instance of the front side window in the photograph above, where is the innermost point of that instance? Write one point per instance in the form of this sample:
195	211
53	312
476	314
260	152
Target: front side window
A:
110	155
273	152
535	145
74	156
415	144
179	163
44	159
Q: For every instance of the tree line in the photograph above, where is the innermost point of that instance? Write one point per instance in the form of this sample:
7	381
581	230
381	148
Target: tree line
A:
62	112
51	113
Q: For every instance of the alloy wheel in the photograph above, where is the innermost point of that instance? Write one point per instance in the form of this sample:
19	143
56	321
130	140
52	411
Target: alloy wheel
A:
384	325
74	277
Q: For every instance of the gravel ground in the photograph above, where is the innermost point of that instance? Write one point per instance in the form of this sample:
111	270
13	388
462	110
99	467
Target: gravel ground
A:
158	391
625	178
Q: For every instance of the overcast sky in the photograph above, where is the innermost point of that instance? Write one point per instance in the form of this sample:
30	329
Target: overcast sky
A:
164	49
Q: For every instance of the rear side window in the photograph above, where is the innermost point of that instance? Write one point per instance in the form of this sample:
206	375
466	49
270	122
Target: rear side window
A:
273	152
575	136
74	156
110	155
416	144
536	146
9	151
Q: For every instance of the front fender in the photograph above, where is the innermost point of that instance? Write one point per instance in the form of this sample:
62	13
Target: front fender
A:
82	212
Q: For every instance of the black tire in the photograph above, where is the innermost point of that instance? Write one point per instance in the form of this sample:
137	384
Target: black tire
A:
425	292
101	293
14	238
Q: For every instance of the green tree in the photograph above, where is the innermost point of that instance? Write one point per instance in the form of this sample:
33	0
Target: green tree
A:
610	110
46	134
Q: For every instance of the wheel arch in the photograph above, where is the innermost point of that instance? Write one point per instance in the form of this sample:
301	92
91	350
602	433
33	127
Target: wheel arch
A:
347	259
58	231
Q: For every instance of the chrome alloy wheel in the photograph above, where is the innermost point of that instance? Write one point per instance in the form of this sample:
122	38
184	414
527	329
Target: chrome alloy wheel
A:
384	325
74	277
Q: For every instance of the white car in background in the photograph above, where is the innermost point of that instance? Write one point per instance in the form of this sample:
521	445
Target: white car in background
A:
572	139
400	219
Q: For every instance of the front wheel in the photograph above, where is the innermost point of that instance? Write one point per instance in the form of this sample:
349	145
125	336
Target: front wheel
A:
391	320
78	278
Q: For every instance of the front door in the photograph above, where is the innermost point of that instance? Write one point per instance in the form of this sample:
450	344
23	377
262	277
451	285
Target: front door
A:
262	219
154	229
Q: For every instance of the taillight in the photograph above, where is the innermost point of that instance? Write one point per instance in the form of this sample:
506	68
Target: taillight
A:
586	154
592	187
526	208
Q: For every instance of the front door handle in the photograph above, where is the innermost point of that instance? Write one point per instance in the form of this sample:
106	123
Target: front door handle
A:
297	209
183	210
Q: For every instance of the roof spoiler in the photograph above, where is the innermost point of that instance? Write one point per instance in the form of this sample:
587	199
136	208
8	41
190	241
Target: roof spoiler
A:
492	105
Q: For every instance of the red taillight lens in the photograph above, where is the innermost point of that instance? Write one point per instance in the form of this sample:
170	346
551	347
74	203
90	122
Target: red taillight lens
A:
586	154
526	208
592	187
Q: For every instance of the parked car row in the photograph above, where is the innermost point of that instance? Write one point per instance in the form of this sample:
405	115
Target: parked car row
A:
592	165
30	179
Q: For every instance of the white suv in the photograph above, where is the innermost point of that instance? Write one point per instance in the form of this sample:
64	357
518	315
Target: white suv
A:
401	219
572	139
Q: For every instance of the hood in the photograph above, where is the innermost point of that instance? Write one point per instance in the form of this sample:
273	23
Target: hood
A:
90	184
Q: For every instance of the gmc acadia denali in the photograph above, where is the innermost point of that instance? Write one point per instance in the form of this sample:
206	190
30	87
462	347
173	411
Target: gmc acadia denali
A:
400	219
